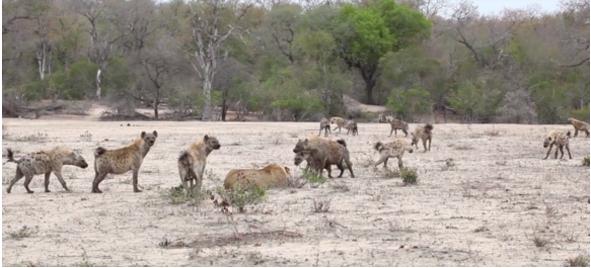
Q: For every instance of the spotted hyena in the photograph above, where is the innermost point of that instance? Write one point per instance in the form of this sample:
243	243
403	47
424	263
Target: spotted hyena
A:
561	140
44	162
192	161
119	161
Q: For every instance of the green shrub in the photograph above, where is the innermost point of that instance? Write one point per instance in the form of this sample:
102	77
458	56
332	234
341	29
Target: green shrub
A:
409	175
581	114
586	161
75	83
312	177
239	197
579	261
36	90
177	195
409	102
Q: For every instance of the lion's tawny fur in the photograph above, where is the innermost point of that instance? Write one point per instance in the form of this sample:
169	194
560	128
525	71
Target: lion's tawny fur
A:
192	161
395	148
44	162
579	126
121	160
271	176
561	140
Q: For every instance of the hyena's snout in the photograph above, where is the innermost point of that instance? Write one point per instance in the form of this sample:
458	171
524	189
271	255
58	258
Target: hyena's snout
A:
83	164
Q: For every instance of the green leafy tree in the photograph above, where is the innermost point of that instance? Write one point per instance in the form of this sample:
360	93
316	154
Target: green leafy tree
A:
409	102
475	101
365	33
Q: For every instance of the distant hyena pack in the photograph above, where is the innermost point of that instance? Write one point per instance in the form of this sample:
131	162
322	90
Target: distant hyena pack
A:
320	153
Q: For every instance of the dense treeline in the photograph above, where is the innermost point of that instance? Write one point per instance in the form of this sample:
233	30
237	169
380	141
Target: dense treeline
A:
294	60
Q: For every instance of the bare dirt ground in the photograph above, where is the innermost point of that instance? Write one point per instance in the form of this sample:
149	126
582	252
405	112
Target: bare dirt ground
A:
488	208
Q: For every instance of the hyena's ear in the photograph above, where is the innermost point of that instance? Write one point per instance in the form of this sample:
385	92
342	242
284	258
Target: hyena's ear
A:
143	134
155	133
205	138
568	134
286	169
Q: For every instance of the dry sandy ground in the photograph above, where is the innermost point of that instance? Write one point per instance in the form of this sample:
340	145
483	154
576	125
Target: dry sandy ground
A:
485	210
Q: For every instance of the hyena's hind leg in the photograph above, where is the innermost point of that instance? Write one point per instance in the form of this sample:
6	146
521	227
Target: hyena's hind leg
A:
98	178
19	175
399	162
28	179
46	183
568	151
383	159
350	166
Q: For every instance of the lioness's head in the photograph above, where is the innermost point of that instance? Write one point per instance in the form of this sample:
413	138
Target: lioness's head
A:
149	138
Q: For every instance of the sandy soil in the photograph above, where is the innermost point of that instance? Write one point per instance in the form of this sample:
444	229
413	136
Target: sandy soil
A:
485	210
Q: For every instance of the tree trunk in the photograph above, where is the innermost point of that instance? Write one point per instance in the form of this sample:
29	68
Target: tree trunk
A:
207	85
98	84
156	109
369	85
368	73
42	60
224	107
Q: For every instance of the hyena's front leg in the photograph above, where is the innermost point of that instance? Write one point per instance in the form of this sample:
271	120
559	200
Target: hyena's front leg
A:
561	151
399	162
424	144
47	175
429	144
136	189
19	175
549	149
58	174
576	132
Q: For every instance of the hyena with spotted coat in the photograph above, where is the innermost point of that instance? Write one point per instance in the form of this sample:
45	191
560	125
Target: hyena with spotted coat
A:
44	162
579	126
395	148
425	134
122	160
191	162
561	140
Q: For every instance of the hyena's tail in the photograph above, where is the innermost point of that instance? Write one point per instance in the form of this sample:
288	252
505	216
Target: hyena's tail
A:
378	146
10	156
99	151
185	167
342	142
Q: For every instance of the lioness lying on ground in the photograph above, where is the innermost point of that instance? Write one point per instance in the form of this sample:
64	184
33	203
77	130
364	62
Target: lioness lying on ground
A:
271	176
